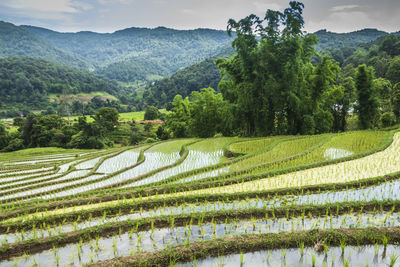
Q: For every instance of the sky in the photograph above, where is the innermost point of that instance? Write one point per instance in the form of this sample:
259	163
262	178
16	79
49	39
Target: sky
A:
112	15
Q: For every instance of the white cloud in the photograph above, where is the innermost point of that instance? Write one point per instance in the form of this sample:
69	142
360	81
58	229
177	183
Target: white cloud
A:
105	2
343	22
344	7
264	6
188	11
47	9
62	6
82	5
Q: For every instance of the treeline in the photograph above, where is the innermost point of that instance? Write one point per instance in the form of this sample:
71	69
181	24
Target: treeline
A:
271	87
38	130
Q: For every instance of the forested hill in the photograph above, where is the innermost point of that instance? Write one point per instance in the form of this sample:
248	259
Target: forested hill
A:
27	82
15	41
193	78
346	48
332	40
137	54
167	48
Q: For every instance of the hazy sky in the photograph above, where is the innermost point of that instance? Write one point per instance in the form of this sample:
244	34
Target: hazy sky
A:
111	15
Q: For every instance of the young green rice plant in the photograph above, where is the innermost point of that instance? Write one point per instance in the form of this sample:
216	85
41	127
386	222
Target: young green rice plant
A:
313	259
114	246
342	245
376	249
241	258
385	243
393	260
301	246
326	247
79	248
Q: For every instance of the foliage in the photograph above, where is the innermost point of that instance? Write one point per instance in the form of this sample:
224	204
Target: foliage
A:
204	115
393	72
163	50
271	82
388	119
193	78
367	106
27	82
332	41
54	131
134	70
151	113
16	41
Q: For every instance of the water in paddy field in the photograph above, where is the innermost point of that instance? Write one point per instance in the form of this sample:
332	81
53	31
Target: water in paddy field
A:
336	153
381	219
194	160
373	256
153	240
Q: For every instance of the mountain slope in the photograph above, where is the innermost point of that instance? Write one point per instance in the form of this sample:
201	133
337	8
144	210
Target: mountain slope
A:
15	41
206	74
193	78
331	40
168	48
27	82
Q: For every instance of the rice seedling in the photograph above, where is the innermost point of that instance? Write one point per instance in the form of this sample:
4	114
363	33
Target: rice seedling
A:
106	200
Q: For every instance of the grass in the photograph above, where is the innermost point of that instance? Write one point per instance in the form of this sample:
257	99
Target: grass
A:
127	116
35	152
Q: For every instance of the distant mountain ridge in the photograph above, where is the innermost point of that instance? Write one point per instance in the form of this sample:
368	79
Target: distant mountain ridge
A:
167	47
179	61
138	54
16	41
206	73
332	40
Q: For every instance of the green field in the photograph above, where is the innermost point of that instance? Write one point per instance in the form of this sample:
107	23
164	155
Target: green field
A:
162	203
34	152
128	116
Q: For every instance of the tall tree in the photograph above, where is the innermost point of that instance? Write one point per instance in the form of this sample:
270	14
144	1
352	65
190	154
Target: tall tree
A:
208	113
367	107
267	79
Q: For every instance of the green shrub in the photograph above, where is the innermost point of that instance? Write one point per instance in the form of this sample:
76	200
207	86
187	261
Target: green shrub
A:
388	119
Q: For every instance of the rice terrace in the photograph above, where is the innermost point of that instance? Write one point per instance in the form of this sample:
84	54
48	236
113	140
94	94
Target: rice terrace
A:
269	139
326	198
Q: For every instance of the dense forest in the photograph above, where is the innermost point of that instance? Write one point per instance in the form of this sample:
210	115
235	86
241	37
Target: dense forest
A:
339	46
193	78
278	84
15	41
165	48
332	40
25	83
41	130
133	57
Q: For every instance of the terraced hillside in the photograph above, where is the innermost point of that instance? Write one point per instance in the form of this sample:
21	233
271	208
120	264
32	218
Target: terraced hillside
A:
322	200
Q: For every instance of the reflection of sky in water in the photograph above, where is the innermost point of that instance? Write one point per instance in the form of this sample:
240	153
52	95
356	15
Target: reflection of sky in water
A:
355	256
336	153
128	243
